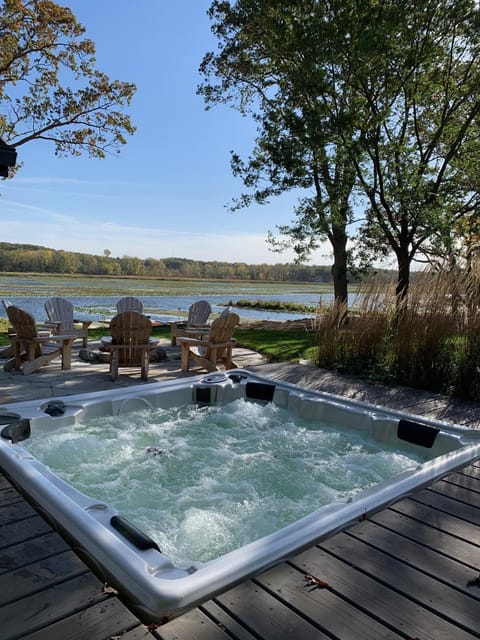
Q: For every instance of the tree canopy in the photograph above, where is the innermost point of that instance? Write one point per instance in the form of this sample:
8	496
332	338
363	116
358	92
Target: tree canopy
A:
49	86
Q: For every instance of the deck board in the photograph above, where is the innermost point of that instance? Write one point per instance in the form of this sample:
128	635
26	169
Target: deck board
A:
464	480
333	614
48	606
197	625
410	580
407	529
378	598
439	499
439	567
266	615
46	591
103	620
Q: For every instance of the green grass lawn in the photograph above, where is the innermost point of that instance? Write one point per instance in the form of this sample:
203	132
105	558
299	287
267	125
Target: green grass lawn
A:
279	345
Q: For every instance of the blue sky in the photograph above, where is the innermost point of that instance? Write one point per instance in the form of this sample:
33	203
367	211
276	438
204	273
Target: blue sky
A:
166	193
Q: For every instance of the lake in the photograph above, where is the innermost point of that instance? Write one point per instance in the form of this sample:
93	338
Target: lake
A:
95	297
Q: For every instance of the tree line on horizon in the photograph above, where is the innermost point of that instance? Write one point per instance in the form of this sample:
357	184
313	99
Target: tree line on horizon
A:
26	258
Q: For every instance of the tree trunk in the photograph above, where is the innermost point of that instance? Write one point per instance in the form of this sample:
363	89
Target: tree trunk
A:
339	274
403	280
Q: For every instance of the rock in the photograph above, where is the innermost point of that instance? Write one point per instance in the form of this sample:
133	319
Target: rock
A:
158	355
88	356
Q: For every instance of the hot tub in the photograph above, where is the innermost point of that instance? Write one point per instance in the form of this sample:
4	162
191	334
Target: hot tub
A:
157	585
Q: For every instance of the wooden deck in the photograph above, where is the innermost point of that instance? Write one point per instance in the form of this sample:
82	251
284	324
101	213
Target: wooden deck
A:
411	571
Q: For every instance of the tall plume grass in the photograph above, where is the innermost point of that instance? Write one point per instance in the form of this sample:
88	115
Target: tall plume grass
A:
430	341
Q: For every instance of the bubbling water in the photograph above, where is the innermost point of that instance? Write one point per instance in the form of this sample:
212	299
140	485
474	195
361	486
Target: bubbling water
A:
204	482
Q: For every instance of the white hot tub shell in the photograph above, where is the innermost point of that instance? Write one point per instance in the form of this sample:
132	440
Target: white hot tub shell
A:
133	563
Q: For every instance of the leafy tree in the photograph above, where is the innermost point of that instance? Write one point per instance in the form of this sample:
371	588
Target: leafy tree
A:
389	87
268	65
415	66
42	50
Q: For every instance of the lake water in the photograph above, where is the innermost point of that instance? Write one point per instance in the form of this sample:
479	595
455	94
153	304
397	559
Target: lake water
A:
161	308
163	300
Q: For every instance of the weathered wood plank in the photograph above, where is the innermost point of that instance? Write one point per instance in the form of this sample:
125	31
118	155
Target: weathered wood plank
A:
8	496
4	483
194	625
452	604
471	471
439	519
103	620
16	511
448	504
265	615
465	481
46	607
323	606
21	530
457	492
140	632
436	565
33	550
377	599
37	576
226	621
450	546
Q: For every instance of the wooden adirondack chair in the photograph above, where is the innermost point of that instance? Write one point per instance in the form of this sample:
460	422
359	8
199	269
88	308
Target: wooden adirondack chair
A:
7	352
213	348
33	350
197	318
60	314
129	304
130	343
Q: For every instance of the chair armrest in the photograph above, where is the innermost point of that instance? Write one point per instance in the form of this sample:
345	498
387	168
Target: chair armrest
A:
203	343
57	337
53	326
85	323
192	341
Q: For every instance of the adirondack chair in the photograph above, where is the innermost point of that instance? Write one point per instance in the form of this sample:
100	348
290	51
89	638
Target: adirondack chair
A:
130	343
196	322
212	349
60	314
129	304
7	352
33	350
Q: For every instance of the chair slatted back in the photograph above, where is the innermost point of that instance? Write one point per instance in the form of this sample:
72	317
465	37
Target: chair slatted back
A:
129	303
132	331
198	313
60	310
222	331
24	326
